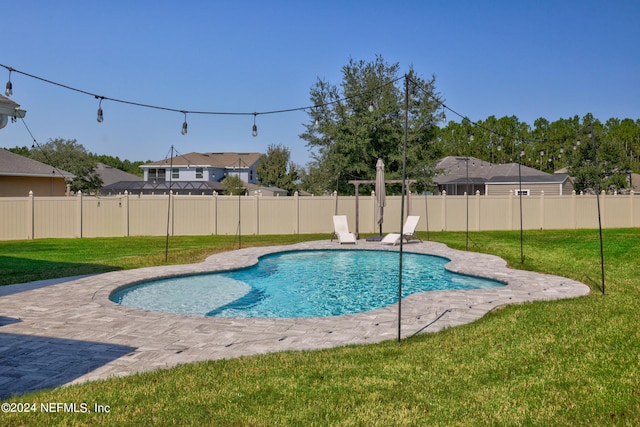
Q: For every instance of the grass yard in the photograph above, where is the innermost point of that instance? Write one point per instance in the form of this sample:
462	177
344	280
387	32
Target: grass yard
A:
560	363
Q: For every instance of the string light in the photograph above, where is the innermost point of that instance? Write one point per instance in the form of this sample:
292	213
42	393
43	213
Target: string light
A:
184	124
100	117
254	130
9	89
317	123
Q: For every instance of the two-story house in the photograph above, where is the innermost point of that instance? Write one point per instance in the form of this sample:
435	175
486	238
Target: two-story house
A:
196	173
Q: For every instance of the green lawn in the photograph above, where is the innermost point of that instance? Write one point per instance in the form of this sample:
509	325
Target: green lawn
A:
570	362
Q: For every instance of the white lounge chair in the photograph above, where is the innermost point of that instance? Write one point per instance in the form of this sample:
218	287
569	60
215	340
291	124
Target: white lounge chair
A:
408	232
409	228
391	239
341	230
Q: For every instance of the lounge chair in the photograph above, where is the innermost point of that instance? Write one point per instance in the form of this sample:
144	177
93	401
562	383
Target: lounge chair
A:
409	229
341	230
391	239
408	232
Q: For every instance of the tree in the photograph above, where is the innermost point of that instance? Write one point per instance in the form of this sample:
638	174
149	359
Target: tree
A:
72	157
362	120
22	151
232	184
275	169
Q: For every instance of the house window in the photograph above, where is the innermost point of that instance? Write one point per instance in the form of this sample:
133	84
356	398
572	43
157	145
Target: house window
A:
157	174
522	192
199	173
175	173
250	175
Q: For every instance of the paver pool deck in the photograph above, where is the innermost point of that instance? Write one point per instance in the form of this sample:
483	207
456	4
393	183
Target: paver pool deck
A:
61	332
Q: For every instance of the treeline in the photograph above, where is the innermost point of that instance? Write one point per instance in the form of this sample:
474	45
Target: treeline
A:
593	152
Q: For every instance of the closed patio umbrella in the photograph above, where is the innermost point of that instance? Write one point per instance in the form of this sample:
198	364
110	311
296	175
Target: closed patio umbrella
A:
381	194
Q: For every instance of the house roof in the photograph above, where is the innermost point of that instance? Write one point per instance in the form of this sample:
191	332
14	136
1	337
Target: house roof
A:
111	175
12	164
219	160
454	170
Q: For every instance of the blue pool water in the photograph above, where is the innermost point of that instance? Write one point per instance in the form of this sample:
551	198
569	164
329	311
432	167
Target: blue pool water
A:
300	284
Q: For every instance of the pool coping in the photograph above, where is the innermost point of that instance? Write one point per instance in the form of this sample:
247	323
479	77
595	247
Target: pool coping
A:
127	340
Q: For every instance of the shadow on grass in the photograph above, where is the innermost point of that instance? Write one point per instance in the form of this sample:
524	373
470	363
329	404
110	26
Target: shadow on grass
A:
23	270
30	363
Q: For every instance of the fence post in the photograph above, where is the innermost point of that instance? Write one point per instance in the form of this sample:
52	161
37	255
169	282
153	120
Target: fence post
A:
510	211
125	212
603	210
573	209
444	210
214	211
632	221
31	233
297	198
541	209
477	227
79	210
257	213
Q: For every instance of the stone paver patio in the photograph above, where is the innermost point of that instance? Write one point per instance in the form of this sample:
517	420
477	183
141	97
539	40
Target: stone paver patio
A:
63	332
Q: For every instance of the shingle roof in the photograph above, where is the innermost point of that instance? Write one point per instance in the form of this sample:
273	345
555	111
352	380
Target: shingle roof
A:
221	160
111	175
17	165
454	169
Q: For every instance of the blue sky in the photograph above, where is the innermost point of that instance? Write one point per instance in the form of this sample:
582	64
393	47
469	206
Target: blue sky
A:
552	59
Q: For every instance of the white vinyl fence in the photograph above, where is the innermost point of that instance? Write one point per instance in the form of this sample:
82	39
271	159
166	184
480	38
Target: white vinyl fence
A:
87	216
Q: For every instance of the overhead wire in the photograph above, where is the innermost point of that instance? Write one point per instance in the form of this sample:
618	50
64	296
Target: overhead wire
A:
278	111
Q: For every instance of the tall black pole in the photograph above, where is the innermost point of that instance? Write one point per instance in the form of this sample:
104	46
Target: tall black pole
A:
597	188
467	199
404	176
520	197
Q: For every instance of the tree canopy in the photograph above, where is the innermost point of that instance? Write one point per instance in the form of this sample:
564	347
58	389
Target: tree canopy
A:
361	120
276	170
72	157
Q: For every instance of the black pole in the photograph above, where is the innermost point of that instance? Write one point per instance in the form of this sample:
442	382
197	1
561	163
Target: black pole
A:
520	197
467	244
597	188
404	175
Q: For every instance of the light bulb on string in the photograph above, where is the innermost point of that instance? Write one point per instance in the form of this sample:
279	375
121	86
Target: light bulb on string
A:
100	117
317	123
9	88
254	130
184	124
371	107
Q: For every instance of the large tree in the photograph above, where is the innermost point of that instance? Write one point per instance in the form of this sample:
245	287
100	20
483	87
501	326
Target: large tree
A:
276	169
362	119
72	157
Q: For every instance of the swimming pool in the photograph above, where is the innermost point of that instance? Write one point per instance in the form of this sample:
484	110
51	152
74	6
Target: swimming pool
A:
294	284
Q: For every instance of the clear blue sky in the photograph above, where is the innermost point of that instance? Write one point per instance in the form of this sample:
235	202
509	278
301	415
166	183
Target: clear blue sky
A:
552	59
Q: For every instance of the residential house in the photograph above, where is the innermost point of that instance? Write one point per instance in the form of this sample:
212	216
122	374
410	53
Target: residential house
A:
193	173
19	175
458	175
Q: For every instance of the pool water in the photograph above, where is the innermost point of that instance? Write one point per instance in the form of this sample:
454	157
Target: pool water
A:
301	284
